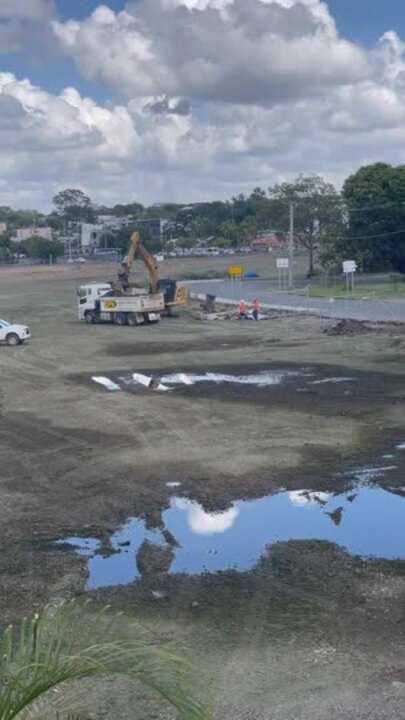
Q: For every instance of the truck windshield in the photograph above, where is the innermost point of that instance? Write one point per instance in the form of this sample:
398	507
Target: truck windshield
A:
82	292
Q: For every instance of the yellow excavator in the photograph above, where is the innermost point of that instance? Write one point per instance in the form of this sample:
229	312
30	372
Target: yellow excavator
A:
174	294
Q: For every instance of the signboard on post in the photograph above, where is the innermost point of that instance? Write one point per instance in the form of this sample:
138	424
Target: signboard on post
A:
283	265
235	273
235	270
349	269
349	266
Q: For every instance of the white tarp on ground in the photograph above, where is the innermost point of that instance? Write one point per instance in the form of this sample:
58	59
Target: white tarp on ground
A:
146	381
106	382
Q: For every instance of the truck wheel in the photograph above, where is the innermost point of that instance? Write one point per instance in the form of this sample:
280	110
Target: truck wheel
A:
89	317
121	319
131	319
13	339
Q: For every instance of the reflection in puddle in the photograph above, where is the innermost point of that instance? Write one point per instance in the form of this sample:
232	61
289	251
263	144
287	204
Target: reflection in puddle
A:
261	379
368	522
204	523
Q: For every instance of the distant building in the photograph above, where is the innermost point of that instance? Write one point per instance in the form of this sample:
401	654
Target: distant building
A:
3	228
154	226
114	223
22	234
267	242
90	236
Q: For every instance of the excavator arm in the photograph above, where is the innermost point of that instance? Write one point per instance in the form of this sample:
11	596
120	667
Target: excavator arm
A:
174	294
136	249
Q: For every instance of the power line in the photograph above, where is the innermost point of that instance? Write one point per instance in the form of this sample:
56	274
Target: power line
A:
370	237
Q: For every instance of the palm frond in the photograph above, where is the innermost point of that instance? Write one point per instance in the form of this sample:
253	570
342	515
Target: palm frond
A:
72	642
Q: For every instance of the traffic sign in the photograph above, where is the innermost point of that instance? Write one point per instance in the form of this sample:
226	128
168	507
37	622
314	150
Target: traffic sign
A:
349	266
282	263
235	270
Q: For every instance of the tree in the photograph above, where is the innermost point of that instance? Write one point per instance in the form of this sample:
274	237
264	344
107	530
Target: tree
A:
42	664
317	206
43	249
230	232
374	232
121	238
74	205
5	247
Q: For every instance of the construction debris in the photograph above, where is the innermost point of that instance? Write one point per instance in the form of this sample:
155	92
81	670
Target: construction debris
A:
347	327
152	383
106	382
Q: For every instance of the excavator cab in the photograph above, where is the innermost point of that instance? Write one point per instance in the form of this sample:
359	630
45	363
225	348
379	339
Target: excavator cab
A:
168	288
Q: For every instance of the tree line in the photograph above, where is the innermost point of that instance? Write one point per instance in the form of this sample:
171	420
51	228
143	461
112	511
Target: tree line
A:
365	221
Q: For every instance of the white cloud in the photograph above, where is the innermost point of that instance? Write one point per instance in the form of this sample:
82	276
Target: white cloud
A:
305	498
216	97
24	24
203	523
238	51
33	10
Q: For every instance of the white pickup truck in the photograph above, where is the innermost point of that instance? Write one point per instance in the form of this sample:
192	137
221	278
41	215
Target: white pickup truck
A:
13	334
97	303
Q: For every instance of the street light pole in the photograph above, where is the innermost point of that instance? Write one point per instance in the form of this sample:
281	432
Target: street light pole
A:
291	247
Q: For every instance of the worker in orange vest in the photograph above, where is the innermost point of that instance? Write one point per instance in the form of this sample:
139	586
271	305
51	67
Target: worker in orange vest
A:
255	309
242	309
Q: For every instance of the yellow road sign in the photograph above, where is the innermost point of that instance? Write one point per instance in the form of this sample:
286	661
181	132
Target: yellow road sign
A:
235	270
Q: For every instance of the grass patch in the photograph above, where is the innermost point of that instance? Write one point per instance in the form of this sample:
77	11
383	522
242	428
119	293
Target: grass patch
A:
208	274
378	290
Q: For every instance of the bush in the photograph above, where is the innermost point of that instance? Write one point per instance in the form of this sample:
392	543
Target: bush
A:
42	249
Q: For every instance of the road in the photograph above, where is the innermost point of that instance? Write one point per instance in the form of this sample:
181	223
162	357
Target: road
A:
356	309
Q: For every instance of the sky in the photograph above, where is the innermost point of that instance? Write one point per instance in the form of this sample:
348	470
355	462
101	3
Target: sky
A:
193	100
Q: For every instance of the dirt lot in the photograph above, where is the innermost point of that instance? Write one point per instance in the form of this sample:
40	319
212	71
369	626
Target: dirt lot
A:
310	632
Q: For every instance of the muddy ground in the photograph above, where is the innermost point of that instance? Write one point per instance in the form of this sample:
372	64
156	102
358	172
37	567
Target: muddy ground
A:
311	632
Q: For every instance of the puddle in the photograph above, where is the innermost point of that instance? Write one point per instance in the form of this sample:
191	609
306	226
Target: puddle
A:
332	380
366	521
261	379
307	377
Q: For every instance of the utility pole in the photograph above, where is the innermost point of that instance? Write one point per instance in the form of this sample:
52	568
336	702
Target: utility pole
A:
291	248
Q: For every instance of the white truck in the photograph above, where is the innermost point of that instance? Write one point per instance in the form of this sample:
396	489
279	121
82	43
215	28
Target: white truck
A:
98	303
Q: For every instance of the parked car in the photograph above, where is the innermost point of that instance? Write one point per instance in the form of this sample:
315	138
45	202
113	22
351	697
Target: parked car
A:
13	334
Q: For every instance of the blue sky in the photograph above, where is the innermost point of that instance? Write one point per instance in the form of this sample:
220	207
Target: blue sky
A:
365	20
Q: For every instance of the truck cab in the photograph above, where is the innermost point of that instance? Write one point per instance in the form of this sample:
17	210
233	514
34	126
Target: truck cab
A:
88	295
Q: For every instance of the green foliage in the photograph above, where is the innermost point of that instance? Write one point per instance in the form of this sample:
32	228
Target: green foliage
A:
20	218
135	209
231	233
120	239
209	274
374	234
42	249
42	662
74	206
317	208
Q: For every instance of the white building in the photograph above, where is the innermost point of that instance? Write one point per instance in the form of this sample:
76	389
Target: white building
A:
90	236
3	228
22	234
